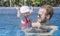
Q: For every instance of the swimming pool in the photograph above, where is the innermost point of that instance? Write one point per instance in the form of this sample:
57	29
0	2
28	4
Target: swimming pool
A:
10	23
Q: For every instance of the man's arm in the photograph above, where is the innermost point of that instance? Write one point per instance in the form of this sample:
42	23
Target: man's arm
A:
54	28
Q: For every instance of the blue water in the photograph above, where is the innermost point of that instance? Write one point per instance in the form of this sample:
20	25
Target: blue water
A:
10	23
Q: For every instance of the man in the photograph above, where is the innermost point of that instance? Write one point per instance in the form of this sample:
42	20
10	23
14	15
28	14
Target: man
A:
44	15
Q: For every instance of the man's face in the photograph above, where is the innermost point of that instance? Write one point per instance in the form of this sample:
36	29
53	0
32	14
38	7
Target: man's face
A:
42	15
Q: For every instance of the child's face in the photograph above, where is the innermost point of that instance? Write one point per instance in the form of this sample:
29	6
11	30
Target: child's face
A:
26	14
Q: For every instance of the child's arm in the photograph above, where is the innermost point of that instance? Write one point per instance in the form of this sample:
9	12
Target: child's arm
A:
18	11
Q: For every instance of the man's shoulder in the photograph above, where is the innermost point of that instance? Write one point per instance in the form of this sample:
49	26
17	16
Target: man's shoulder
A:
47	23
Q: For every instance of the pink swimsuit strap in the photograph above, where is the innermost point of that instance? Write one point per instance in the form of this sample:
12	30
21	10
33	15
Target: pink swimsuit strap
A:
26	22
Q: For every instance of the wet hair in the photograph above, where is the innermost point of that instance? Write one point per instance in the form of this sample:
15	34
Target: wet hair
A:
49	9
